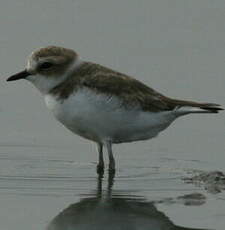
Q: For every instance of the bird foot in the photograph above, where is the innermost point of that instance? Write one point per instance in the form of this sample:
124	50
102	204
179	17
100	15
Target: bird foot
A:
100	169
112	170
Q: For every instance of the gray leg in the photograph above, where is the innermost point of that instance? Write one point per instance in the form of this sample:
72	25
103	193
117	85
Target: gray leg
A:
100	166
108	146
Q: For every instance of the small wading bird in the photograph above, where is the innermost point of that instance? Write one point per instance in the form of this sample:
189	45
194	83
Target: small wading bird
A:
101	104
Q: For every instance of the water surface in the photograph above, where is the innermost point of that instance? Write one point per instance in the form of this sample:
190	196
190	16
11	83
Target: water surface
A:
47	174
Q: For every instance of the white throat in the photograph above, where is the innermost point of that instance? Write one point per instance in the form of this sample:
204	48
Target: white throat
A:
46	84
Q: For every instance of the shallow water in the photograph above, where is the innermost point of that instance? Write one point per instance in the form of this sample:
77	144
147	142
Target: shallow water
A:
46	191
47	175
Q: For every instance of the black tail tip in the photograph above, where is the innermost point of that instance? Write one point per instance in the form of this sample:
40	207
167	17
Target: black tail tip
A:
213	108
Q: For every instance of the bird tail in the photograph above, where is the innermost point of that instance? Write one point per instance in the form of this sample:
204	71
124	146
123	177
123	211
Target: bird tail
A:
186	107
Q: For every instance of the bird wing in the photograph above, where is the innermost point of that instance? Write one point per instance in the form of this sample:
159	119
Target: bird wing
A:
130	91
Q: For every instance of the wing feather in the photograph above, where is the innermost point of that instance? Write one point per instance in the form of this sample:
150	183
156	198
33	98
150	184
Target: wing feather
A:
130	91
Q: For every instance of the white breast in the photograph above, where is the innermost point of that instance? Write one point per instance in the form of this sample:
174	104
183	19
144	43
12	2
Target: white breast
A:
99	117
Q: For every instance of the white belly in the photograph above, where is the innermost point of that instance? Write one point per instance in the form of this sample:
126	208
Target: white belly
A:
98	117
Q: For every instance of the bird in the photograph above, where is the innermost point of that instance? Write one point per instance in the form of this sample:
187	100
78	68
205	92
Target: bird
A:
101	104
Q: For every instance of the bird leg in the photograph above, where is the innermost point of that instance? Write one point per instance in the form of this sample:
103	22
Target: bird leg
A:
108	146
100	166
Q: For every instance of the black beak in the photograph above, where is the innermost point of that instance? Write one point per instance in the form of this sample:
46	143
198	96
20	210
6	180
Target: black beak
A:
20	75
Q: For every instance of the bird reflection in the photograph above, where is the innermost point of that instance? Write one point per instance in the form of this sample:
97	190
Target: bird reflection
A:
108	211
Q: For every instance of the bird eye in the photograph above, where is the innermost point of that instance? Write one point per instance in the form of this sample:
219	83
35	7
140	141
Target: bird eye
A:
46	65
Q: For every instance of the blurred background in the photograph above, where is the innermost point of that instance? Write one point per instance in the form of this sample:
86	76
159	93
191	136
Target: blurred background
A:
176	47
